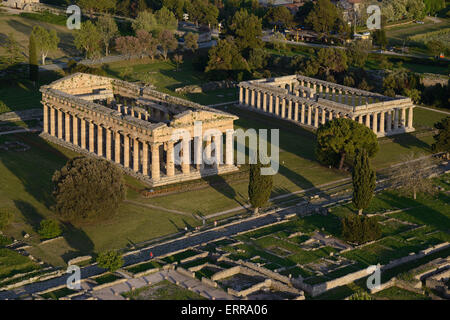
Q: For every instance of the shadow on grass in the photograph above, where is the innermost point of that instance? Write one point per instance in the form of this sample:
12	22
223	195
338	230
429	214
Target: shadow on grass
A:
30	214
78	240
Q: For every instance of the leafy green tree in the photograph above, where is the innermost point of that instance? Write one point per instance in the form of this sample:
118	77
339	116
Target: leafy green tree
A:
358	52
166	19
278	41
360	295
5	218
191	41
247	30
49	229
380	38
47	41
88	39
145	20
33	61
178	59
167	42
108	30
225	58
332	60
146	43
258	59
202	11
88	189
13	51
175	6
110	260
360	229
364	181
279	16
325	17
436	47
442	138
339	139
434	6
259	187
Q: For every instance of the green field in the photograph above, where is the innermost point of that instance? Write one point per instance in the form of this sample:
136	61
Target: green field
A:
163	290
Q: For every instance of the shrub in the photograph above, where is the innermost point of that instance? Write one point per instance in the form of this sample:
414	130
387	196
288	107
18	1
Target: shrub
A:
110	260
360	229
49	229
360	295
88	189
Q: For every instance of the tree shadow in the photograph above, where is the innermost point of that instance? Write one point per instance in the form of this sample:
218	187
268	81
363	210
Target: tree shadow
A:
408	140
30	213
77	239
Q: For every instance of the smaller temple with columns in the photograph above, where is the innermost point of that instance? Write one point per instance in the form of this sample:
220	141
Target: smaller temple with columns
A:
137	128
311	102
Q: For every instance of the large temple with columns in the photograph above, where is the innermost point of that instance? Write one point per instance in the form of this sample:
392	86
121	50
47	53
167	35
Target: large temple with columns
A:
311	102
136	127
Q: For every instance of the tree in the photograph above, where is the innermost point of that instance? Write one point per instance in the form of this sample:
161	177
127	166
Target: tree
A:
258	59
380	38
331	60
247	30
110	260
175	6
47	41
88	189
324	17
412	175
191	41
146	43
49	229
279	16
339	139
167	42
88	39
202	11
360	295
12	49
360	229
108	30
33	61
442	138
364	181
226	58
128	45
166	19
278	41
435	47
259	187
5	218
434	6
178	58
145	21
358	52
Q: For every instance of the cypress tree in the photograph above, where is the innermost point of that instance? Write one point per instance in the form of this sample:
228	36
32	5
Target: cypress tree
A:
33	61
364	180
259	187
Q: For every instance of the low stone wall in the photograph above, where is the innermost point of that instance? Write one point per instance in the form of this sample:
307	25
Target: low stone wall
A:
24	115
185	272
146	272
79	259
266	272
209	282
38	278
265	284
109	284
226	273
200	255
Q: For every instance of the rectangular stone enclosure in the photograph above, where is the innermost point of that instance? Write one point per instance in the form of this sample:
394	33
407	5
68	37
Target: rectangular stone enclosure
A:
156	137
311	102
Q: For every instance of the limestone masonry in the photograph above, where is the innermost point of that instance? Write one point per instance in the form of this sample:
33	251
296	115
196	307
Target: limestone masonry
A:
311	102
136	127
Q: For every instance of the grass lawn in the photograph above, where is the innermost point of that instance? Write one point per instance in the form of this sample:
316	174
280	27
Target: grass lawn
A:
163	290
106	278
396	293
12	263
56	294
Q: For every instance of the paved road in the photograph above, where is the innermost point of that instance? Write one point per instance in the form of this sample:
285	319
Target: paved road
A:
303	207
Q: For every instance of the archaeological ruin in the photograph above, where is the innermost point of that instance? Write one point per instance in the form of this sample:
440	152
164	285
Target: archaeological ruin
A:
144	131
311	102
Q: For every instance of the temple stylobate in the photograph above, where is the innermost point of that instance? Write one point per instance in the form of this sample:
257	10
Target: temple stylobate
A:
138	128
311	102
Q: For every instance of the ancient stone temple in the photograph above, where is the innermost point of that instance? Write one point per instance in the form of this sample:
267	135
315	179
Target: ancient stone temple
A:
154	136
312	102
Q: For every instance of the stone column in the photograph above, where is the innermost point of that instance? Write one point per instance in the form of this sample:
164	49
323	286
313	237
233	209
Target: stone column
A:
246	96
185	160
108	143
229	147
135	154
403	119
67	127
324	115
302	115
75	129
410	118
52	121
309	115
296	111
45	120
170	159
253	99
283	108
368	120
330	115
265	101
218	142
382	121
290	110
91	137
389	121
258	102
277	105
395	118
60	124
208	148
155	161
117	147
241	95
375	122
145	158
271	103
126	151
100	141
198	145
360	119
83	133
316	117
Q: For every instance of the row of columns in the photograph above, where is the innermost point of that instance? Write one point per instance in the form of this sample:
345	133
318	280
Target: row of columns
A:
132	152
